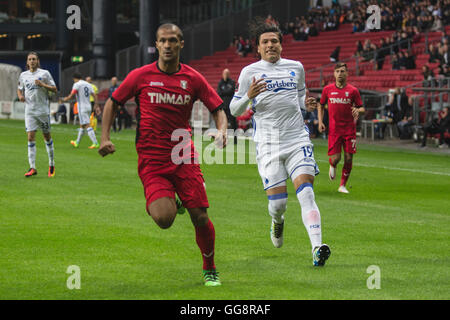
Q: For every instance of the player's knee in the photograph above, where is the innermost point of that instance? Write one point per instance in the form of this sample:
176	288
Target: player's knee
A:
278	206
163	215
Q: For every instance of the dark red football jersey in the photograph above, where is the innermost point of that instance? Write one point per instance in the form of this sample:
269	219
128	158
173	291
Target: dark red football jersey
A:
164	104
340	103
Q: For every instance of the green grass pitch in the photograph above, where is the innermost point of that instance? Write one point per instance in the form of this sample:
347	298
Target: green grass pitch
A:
91	214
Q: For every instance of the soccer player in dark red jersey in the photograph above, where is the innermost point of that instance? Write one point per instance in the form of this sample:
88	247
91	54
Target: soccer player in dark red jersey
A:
344	107
165	92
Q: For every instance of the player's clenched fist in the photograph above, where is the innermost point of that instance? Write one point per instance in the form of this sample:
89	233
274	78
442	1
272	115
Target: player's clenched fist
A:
106	147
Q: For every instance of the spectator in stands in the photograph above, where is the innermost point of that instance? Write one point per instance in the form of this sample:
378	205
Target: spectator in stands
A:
359	48
225	90
395	62
313	32
398	104
271	21
402	60
334	57
405	124
428	76
437	24
410	61
433	51
439	126
382	53
240	49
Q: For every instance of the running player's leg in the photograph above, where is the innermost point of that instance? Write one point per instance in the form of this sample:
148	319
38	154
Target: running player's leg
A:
303	185
191	190
51	153
31	126
273	175
334	153
31	151
277	197
163	211
349	150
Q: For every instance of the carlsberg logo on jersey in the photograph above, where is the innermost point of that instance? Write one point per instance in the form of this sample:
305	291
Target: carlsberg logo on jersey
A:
170	98
341	100
276	86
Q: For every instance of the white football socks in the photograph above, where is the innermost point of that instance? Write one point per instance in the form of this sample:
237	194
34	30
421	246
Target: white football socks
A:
80	135
32	154
310	213
50	151
91	134
277	206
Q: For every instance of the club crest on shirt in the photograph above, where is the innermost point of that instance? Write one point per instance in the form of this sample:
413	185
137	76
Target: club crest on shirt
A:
346	94
183	84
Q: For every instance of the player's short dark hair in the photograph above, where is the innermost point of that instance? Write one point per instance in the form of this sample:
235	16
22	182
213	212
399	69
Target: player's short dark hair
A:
171	26
340	65
77	75
265	28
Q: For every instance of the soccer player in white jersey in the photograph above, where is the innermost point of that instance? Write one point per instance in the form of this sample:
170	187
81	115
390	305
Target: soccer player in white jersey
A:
83	90
276	88
33	89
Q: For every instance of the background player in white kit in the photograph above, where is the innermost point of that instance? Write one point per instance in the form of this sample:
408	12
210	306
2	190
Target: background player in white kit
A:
33	88
83	90
277	90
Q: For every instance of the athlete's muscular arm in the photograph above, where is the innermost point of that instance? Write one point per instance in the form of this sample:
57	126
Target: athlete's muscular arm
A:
357	111
69	97
20	95
109	114
220	118
321	126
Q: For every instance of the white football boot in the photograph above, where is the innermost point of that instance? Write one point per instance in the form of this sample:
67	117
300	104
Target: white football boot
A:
343	189
276	234
332	172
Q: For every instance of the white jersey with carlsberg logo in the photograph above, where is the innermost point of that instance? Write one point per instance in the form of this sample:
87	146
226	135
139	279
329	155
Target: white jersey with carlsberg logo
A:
84	91
36	97
277	111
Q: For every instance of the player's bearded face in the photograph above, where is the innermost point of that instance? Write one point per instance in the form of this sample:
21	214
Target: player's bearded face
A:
169	45
341	74
269	47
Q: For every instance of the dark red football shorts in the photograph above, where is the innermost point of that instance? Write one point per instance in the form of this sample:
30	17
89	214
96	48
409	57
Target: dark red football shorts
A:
337	142
164	179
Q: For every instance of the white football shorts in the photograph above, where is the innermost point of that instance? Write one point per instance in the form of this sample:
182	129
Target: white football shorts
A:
85	117
33	123
279	161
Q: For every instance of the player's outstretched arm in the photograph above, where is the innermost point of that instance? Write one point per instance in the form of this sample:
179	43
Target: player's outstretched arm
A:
109	114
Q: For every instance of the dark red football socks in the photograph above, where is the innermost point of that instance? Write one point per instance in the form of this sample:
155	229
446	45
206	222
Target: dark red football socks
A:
205	237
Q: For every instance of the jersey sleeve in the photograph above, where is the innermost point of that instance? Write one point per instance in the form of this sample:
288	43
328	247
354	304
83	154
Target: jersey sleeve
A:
127	89
357	98
75	88
21	85
240	100
301	89
48	79
208	95
324	96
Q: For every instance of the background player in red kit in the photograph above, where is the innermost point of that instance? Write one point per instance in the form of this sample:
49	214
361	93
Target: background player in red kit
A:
344	106
165	92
